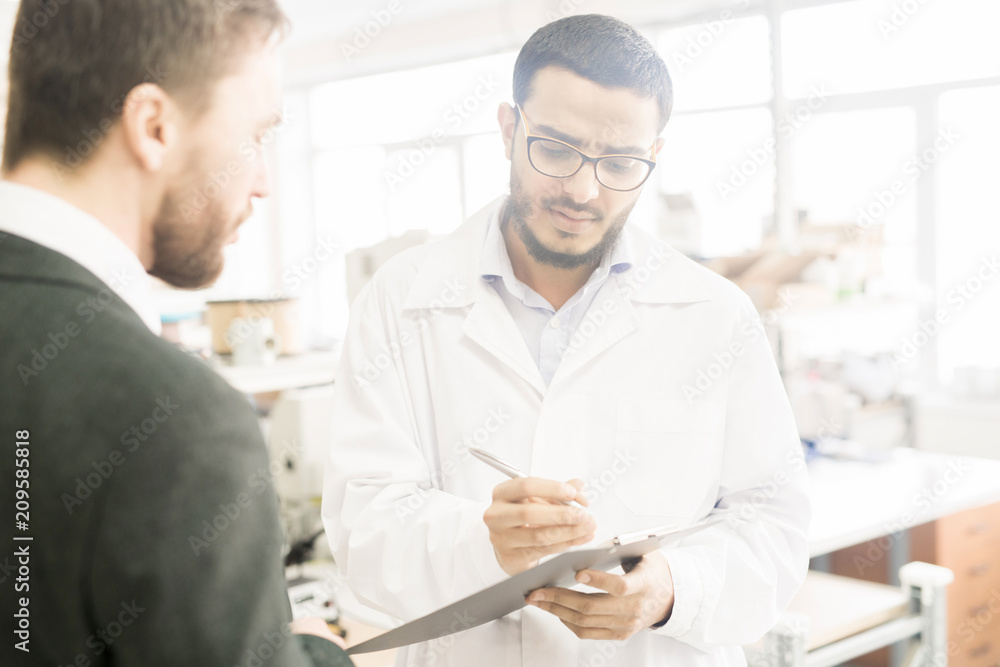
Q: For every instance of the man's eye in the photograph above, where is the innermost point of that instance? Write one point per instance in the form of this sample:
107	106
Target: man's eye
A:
556	151
622	166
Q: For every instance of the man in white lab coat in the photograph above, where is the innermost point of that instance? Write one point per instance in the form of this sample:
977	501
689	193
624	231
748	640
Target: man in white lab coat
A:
551	333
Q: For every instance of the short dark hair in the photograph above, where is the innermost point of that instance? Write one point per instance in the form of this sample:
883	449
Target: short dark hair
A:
605	50
73	63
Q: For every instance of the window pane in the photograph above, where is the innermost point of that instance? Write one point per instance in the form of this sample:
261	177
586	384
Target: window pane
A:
429	197
487	171
969	229
877	44
711	156
844	166
701	60
350	196
430	102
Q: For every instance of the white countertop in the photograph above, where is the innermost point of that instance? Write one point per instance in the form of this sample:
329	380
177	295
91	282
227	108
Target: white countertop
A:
302	370
856	501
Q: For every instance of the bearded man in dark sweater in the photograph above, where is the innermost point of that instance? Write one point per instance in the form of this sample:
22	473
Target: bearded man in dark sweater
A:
141	524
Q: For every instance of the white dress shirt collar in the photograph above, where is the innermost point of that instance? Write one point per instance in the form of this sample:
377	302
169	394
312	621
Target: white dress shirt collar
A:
495	260
58	225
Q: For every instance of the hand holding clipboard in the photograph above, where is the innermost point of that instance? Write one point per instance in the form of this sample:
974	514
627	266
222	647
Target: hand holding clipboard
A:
508	595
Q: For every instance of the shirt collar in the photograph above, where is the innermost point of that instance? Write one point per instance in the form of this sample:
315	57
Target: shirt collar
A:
495	263
452	266
57	225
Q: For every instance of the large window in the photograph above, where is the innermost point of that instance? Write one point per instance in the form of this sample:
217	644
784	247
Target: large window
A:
390	148
872	45
844	128
968	234
717	165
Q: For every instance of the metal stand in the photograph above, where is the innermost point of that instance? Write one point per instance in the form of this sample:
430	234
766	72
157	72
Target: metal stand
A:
925	627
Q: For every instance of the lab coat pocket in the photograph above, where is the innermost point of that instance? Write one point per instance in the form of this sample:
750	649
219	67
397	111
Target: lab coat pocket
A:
674	450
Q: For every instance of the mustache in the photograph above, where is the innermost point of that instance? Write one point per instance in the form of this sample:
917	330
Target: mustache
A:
568	204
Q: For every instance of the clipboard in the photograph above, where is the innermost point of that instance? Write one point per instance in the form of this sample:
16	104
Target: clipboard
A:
508	595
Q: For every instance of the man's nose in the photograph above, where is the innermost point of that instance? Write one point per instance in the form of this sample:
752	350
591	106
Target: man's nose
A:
583	186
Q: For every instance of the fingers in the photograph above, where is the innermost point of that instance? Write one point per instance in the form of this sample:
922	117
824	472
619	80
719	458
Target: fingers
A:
590	616
521	547
522	558
503	515
547	540
528	519
616	634
579	485
613	584
520	490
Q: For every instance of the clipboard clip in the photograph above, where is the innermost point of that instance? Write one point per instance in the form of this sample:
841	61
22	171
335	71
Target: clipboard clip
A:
640	535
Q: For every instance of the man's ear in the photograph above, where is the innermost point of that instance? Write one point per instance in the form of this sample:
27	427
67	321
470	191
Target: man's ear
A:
507	119
149	123
658	145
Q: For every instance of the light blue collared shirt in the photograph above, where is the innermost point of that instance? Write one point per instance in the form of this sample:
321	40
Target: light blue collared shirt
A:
546	332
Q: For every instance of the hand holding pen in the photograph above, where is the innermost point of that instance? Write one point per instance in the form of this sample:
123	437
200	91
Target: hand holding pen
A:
532	517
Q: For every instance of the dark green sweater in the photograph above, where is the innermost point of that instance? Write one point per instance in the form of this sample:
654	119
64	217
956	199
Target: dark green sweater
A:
153	515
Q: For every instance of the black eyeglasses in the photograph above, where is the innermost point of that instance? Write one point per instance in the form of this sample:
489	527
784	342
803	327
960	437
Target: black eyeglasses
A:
558	159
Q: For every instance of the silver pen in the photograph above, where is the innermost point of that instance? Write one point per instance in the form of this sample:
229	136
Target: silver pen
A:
509	470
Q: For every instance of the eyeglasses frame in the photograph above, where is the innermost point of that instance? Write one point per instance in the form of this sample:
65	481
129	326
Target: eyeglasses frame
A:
532	138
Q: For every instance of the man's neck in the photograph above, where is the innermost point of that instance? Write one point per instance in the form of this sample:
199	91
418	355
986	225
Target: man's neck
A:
555	285
106	200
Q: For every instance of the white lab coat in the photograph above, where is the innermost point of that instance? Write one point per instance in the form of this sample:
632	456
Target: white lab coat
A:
668	404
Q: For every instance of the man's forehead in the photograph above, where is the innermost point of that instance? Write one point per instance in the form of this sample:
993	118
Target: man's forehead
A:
255	83
571	108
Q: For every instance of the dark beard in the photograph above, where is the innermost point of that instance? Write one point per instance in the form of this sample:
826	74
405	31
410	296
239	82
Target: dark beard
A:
187	253
518	209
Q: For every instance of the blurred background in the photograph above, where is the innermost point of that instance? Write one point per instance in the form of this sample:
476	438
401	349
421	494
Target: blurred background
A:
837	159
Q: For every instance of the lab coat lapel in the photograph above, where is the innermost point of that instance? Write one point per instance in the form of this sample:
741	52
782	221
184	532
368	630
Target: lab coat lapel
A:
491	326
611	318
488	323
